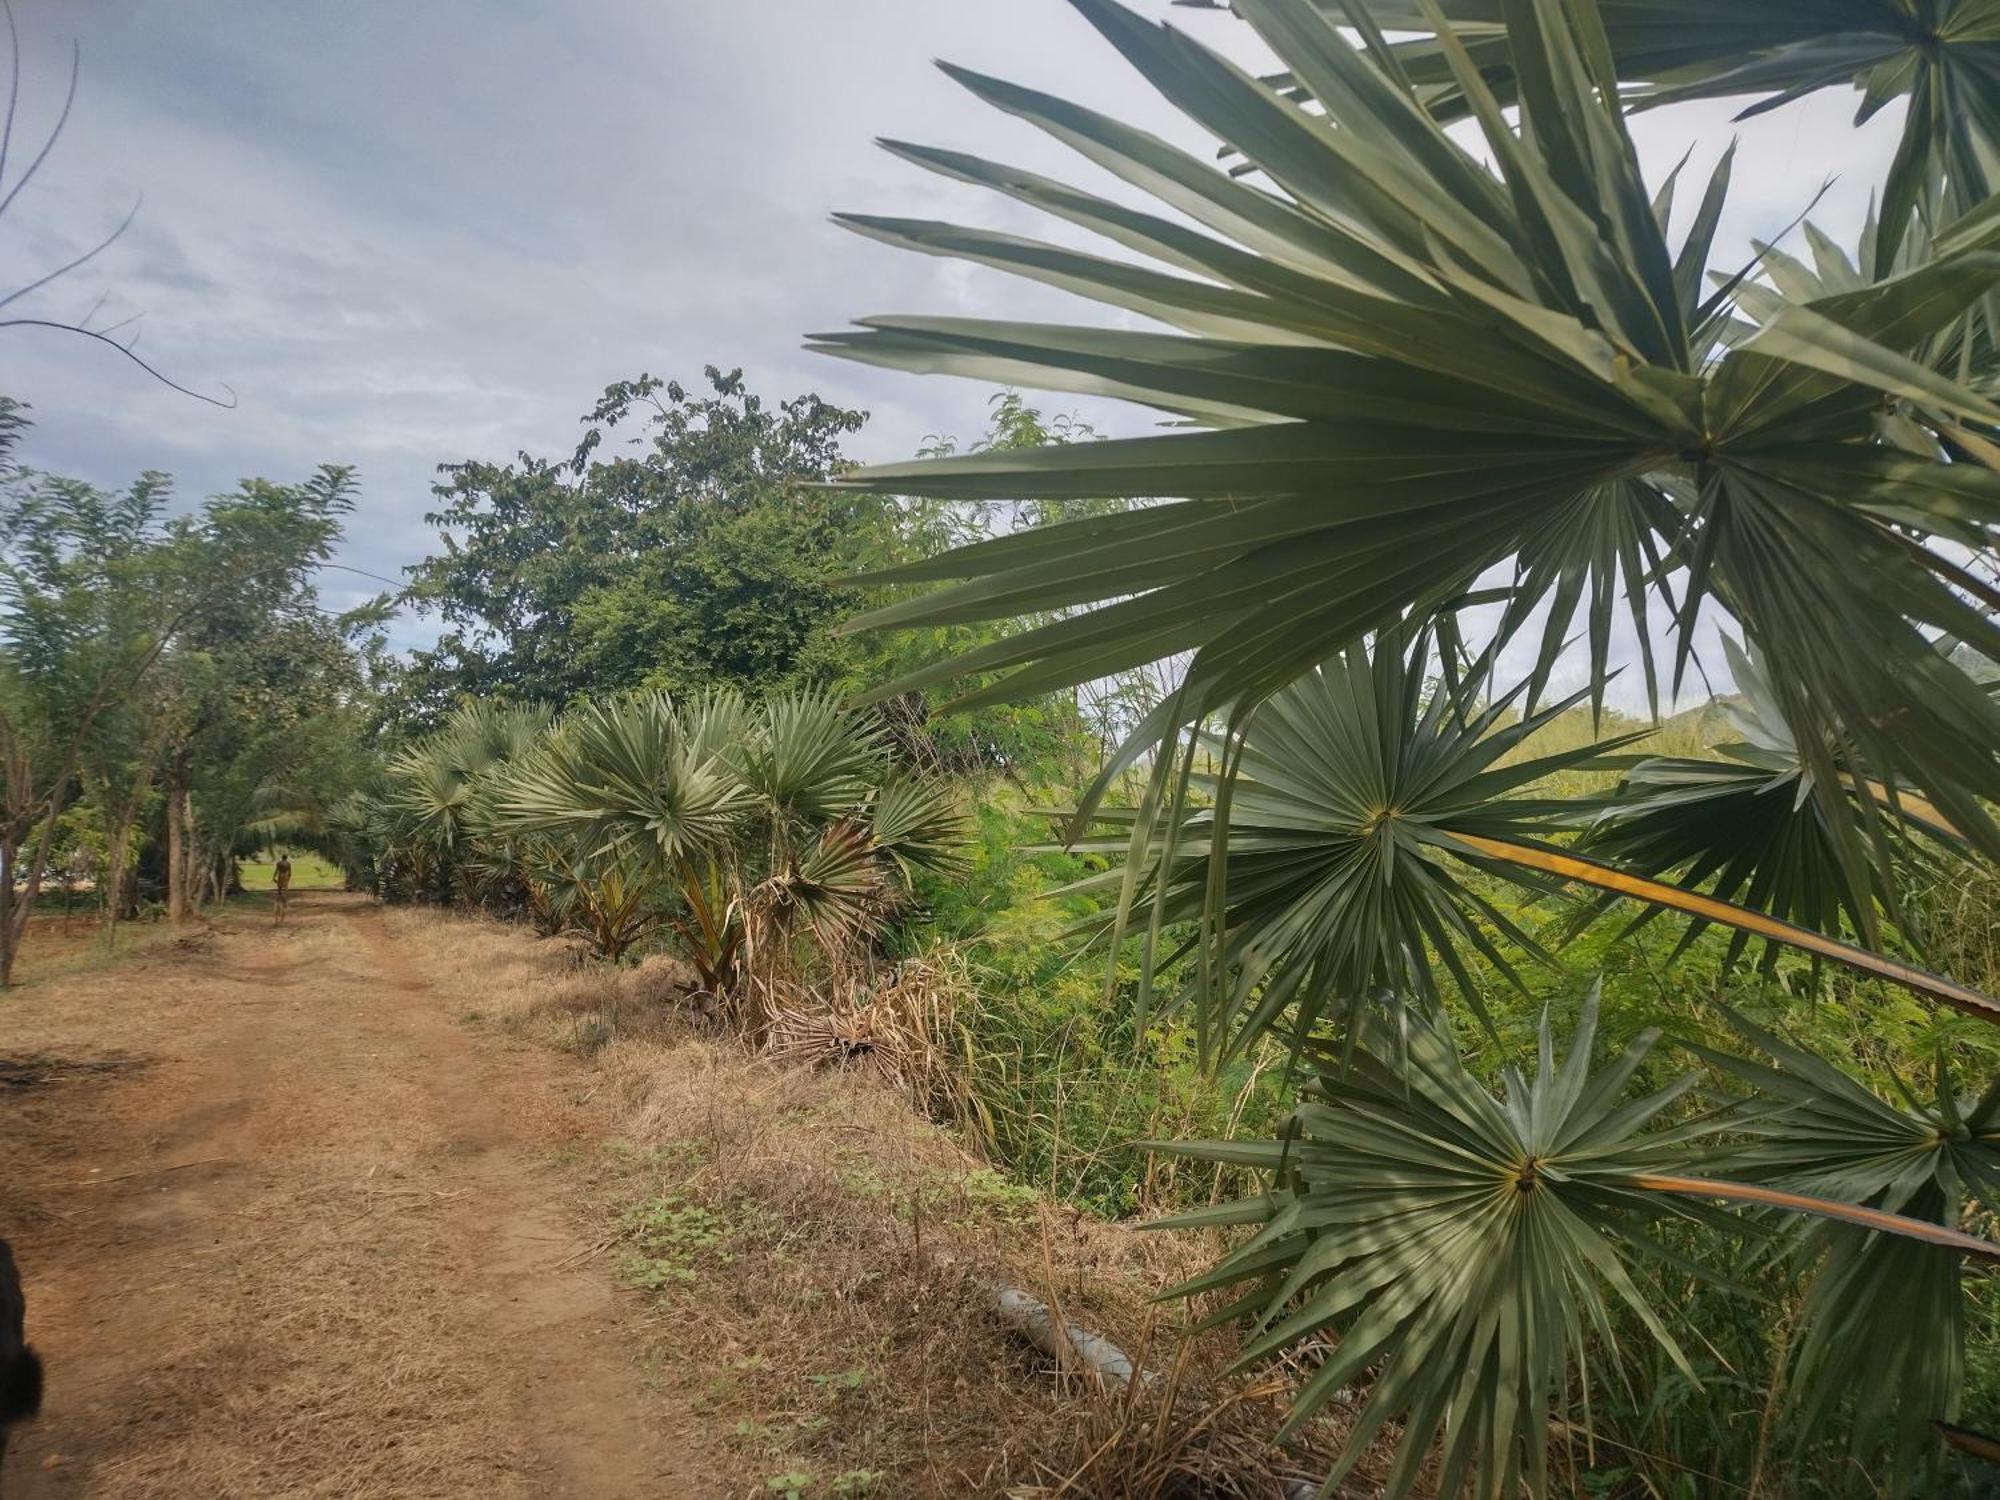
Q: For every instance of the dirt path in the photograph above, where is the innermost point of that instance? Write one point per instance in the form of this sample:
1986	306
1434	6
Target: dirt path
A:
290	1230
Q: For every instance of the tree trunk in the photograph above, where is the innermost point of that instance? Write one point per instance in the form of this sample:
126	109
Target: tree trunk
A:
114	878
9	854
180	904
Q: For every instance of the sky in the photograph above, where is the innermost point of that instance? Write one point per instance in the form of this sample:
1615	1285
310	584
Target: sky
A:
405	234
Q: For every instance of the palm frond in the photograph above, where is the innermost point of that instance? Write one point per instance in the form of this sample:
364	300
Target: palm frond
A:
1943	58
1348	819
1416	366
626	775
1466	1246
1884	1321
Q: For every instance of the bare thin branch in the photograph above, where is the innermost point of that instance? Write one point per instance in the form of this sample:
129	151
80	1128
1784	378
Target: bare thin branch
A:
91	333
69	99
13	85
91	254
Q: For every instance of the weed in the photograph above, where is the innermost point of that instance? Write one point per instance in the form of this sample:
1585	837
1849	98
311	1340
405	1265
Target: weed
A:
792	1485
668	1239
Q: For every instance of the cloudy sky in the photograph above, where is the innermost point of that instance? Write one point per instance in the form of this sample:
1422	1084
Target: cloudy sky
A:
409	233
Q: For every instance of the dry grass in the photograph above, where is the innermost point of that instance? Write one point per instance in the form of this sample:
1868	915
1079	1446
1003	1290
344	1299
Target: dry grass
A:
815	1257
307	1395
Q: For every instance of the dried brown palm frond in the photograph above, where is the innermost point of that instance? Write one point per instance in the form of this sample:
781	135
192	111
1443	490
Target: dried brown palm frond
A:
897	1023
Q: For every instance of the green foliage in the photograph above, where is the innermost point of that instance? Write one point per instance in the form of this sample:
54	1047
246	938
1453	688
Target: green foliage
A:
1466	1240
1066	1082
1055	736
703	556
669	1242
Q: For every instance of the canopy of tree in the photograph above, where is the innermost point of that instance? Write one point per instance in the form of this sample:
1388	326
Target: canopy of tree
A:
699	550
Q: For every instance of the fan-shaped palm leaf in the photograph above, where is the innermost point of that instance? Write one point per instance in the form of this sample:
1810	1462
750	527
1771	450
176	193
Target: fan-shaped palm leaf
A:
1415	363
807	760
625	775
835	887
1342	863
1335	861
1460	1244
917	822
1746	828
1884	1321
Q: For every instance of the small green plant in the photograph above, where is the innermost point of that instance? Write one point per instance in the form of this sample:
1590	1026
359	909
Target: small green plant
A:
856	1481
791	1485
987	1192
667	1239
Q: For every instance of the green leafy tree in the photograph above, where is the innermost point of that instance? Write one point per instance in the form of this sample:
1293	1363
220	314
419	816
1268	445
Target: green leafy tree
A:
250	675
698	551
91	600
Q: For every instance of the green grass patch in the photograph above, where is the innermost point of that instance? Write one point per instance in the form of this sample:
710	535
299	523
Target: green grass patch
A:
309	873
669	1242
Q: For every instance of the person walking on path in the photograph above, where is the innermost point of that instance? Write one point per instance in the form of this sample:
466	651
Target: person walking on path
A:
282	880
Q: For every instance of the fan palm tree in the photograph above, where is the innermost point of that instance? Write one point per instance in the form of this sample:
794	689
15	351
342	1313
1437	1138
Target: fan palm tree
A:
1415	369
1407	373
1340	857
1462	1241
421	824
440	788
750	824
1337	887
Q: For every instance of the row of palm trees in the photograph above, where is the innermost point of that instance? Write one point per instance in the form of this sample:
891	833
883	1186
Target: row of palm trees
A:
762	843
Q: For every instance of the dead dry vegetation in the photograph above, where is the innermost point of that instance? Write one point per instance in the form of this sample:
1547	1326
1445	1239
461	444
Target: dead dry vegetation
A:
813	1260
